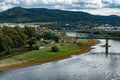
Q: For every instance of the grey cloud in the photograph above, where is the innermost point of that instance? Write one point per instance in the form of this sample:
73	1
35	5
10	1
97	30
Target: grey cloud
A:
55	4
78	7
1	0
107	1
111	4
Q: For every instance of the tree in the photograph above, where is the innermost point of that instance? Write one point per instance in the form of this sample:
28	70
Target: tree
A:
22	35
5	44
2	43
29	31
51	34
14	39
16	36
56	35
31	41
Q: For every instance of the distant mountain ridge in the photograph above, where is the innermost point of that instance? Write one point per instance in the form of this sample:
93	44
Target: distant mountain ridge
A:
24	15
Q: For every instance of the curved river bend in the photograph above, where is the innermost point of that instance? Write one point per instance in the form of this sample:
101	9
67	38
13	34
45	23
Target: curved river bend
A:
94	65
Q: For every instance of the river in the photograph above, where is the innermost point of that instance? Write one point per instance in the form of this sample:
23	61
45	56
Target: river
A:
94	65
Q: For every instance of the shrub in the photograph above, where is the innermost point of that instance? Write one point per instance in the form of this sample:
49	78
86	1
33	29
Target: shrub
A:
35	47
54	49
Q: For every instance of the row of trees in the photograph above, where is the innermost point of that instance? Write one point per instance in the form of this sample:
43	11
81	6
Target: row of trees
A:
11	38
50	34
22	39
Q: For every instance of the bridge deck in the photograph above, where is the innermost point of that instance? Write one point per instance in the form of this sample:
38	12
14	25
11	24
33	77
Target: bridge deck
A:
98	36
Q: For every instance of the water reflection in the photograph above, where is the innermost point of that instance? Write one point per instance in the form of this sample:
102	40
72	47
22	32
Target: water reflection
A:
106	51
93	65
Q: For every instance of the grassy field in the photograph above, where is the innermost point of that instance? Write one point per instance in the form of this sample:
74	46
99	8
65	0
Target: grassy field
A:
45	55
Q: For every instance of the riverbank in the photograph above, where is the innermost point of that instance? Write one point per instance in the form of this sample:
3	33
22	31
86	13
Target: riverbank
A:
45	55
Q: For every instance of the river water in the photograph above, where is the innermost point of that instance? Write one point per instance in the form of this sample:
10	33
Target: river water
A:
94	65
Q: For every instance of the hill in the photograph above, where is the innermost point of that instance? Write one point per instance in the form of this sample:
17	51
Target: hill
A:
24	15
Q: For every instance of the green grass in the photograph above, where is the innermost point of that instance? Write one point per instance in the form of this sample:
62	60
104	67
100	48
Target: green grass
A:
42	55
46	53
83	41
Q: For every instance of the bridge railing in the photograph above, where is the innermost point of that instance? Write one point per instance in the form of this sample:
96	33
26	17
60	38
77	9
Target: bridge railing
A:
96	36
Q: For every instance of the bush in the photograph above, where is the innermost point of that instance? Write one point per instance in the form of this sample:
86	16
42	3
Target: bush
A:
54	49
35	47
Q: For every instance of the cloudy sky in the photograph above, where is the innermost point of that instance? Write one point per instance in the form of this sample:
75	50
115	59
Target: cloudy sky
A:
98	7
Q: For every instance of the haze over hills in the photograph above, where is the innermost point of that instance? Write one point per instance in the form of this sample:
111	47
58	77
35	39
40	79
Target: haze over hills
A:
23	15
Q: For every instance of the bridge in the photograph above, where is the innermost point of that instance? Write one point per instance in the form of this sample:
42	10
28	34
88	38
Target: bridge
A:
97	36
88	30
94	34
91	34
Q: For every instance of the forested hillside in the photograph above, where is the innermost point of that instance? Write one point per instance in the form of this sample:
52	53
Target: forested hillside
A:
24	15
